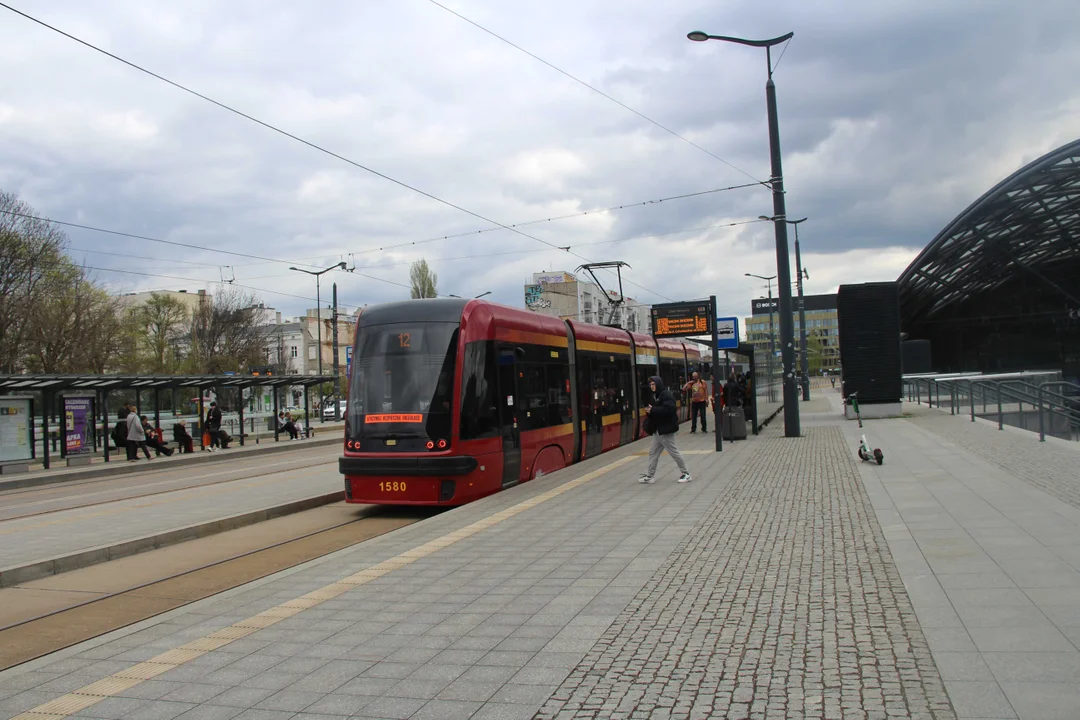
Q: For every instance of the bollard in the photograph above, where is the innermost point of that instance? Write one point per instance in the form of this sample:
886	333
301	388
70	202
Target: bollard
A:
1042	428
1001	415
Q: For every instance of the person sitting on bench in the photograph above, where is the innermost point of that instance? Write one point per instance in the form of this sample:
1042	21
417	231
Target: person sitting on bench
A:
182	439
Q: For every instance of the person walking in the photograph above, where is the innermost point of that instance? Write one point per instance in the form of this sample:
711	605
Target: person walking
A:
213	425
699	401
663	423
136	437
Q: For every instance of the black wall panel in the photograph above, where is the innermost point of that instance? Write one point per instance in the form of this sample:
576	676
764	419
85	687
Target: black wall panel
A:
915	357
869	318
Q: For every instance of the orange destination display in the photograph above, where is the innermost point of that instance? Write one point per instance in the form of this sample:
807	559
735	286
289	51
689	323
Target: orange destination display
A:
394	418
679	319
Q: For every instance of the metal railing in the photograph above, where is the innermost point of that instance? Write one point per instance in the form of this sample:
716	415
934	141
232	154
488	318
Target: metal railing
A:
1038	402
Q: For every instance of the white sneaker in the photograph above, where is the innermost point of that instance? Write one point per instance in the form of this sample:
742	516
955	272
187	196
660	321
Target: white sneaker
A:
645	479
684	478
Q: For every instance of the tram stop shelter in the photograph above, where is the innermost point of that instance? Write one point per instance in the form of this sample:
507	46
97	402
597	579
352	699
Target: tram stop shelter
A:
53	387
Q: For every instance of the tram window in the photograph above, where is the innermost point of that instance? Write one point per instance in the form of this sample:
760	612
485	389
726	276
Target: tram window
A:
479	415
558	387
624	384
644	391
534	389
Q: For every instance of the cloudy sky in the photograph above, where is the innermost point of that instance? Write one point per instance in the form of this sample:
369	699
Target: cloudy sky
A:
894	116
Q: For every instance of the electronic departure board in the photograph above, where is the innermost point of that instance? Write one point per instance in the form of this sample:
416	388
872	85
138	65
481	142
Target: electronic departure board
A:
680	319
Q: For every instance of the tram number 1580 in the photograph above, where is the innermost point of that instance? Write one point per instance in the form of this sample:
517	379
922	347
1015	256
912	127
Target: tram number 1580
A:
395	486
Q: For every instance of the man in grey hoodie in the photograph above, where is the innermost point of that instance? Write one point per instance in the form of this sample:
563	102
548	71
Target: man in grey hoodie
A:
664	419
136	437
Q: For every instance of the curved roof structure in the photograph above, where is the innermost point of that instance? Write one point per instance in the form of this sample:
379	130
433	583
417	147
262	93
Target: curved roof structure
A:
1028	220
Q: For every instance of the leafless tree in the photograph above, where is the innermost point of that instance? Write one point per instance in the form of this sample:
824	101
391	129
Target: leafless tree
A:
30	252
225	333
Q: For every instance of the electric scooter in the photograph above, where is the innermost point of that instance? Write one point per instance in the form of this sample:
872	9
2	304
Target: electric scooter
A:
865	453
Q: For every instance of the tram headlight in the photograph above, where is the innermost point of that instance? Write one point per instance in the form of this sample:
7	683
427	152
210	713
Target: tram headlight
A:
442	444
430	445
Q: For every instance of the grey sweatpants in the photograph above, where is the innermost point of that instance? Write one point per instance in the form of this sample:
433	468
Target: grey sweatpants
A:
661	443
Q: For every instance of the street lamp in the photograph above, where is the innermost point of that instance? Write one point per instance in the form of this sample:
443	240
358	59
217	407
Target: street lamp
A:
783	265
772	332
799	275
318	307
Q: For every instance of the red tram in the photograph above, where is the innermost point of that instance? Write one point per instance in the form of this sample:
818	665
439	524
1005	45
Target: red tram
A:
451	400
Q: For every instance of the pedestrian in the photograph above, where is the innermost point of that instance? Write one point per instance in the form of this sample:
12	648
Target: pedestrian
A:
662	423
286	425
732	392
152	439
136	437
699	400
119	431
213	425
182	438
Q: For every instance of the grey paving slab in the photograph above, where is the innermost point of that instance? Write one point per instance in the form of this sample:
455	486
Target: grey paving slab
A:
783	601
55	534
994	519
784	581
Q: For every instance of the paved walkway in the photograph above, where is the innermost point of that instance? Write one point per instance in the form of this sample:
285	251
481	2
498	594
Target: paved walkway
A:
984	526
787	581
221	490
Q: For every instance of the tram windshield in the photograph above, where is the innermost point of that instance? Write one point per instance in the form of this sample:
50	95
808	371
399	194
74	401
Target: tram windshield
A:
402	381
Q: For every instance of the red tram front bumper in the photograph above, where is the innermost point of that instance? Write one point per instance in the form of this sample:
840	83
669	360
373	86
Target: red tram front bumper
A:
417	480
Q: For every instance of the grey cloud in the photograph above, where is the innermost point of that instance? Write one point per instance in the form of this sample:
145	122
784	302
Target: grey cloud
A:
894	116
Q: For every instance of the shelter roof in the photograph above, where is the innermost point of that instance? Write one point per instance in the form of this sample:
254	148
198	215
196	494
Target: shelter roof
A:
31	382
1029	219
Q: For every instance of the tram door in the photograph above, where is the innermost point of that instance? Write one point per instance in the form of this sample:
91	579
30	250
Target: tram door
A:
508	421
592	389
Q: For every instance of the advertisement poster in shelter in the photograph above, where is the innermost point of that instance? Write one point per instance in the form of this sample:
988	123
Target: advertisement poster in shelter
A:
77	414
15	429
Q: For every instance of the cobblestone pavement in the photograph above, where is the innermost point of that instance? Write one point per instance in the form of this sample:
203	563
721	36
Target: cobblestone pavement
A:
1050	466
783	602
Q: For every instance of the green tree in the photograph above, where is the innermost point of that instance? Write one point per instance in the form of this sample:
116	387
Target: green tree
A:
423	281
163	321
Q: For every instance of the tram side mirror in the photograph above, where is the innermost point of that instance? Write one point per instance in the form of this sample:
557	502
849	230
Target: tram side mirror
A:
519	351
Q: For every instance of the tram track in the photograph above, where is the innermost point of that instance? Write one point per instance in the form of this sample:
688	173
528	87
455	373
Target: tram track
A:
75	501
31	637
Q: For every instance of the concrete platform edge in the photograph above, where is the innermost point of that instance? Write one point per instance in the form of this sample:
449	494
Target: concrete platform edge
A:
118	468
92	556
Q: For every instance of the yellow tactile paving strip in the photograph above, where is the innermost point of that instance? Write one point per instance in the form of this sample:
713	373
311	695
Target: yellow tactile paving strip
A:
84	697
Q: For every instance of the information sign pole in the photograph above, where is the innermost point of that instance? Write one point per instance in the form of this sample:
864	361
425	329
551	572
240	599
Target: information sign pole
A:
717	425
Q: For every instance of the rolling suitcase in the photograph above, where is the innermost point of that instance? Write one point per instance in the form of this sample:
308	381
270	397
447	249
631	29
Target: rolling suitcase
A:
734	420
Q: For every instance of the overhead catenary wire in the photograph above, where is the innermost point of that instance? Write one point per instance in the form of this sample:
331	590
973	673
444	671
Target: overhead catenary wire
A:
294	137
554	218
597	90
135	236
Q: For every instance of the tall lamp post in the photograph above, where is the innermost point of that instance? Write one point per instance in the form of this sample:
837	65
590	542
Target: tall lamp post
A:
318	325
772	333
804	361
783	264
